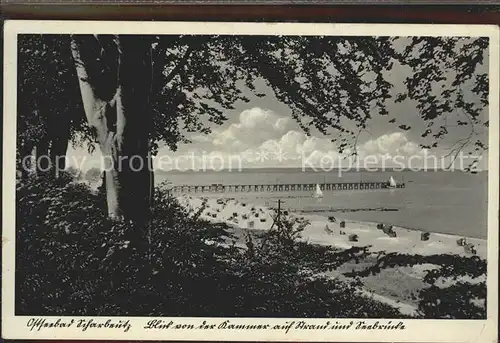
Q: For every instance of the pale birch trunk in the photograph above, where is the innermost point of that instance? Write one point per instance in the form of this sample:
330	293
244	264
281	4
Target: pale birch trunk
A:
121	121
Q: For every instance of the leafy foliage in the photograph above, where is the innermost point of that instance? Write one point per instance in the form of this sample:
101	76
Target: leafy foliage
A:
436	63
457	300
333	84
48	93
328	82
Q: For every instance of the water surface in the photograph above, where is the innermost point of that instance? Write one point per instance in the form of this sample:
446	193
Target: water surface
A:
441	201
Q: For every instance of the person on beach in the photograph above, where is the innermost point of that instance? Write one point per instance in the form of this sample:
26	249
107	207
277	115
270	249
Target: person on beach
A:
328	230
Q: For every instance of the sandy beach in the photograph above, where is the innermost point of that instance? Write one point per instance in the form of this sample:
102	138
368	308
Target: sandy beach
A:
254	217
396	286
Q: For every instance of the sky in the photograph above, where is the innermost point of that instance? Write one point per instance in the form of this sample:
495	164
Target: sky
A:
262	134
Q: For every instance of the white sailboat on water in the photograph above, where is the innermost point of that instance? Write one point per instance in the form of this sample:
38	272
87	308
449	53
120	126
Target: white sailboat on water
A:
392	183
318	193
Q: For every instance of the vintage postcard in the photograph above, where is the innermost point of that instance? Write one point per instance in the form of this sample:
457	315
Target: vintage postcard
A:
250	181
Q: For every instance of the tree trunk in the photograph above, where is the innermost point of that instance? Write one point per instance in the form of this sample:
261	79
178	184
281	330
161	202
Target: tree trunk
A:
59	146
42	159
115	89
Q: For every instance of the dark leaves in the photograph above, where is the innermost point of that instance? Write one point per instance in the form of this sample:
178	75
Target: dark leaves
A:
447	84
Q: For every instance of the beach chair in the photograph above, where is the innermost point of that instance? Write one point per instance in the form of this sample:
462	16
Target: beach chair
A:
424	236
388	230
469	248
353	237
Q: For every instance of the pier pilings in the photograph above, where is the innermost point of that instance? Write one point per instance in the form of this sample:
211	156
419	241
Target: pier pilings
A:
292	187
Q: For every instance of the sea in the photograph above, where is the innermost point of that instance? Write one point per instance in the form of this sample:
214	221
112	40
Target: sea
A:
451	202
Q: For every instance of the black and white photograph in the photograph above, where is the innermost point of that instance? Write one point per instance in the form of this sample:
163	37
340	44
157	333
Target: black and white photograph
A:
250	181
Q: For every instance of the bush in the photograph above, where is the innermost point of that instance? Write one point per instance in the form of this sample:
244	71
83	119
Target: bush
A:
72	260
276	265
458	300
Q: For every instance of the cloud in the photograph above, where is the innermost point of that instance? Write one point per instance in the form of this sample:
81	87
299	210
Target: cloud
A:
295	148
294	143
258	137
253	127
394	144
292	148
261	137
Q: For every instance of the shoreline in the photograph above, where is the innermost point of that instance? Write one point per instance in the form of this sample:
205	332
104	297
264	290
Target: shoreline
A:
398	287
252	216
389	213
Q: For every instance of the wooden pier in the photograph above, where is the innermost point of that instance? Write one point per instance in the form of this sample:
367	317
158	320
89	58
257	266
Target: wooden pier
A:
291	187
